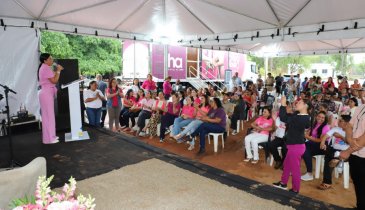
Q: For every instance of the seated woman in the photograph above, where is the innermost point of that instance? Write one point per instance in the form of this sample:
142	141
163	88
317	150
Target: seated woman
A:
201	111
194	94
157	110
171	112
263	126
146	112
134	111
336	143
93	101
312	146
214	122
128	102
238	112
187	115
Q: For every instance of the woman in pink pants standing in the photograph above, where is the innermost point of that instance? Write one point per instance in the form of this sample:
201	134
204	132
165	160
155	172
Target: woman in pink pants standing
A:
47	80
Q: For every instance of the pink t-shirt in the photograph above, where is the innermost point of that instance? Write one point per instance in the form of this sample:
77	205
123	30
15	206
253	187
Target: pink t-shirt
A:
204	109
148	103
325	129
149	85
197	100
188	111
45	73
167	88
262	122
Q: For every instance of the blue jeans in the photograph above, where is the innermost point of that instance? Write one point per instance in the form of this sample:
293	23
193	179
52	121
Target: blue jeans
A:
206	128
191	127
178	124
94	116
311	149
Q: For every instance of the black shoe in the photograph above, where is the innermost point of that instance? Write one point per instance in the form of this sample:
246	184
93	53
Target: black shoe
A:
278	164
280	185
201	151
292	191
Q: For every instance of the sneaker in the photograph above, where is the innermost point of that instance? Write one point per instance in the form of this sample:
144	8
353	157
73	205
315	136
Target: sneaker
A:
123	127
201	151
247	159
280	185
234	132
191	147
167	131
292	191
307	177
254	161
179	141
142	134
161	140
135	128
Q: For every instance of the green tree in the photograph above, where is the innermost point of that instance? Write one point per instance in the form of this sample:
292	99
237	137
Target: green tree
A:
95	54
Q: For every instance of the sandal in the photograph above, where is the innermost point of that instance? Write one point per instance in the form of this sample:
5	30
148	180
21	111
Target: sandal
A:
324	186
334	162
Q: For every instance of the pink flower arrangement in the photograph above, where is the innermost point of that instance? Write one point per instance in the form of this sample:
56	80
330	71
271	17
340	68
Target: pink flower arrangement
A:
45	198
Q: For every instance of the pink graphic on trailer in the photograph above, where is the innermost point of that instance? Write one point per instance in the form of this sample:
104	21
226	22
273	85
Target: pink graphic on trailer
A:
237	63
176	62
214	63
158	61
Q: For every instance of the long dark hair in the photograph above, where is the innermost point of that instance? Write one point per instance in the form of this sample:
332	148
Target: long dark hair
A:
110	84
206	101
138	97
320	128
128	93
218	102
43	57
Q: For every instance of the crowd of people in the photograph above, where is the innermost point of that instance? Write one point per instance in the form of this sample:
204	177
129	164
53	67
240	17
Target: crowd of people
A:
311	118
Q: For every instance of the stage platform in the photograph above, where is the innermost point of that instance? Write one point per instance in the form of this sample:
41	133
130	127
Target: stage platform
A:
107	151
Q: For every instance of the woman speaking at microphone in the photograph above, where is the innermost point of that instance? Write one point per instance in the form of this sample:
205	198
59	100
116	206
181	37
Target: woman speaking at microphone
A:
47	80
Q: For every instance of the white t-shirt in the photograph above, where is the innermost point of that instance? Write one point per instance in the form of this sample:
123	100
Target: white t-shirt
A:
135	89
280	131
337	143
92	94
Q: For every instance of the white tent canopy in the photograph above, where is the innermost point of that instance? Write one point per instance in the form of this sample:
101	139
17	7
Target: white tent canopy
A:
271	27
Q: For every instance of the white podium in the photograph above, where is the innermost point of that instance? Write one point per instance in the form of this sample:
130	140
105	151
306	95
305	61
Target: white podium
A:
75	112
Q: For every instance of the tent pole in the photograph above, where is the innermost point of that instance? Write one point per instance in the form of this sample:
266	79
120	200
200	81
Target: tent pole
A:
134	59
266	66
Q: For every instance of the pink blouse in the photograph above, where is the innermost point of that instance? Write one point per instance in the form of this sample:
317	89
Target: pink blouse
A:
149	85
45	73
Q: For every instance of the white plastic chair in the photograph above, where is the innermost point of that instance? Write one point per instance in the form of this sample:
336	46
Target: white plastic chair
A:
319	165
215	140
346	174
272	157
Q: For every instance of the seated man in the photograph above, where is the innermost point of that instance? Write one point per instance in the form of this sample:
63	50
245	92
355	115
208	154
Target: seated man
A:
336	143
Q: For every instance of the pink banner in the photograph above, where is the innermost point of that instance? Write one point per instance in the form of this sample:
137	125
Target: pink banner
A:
237	63
158	61
176	59
214	63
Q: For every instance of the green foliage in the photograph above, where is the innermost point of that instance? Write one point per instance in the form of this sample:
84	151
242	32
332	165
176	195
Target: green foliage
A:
22	201
96	55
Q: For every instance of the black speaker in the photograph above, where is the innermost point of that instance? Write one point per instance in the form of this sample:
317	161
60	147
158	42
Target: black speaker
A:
69	73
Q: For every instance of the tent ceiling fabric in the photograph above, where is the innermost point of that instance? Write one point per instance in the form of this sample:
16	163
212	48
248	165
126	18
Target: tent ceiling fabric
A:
188	20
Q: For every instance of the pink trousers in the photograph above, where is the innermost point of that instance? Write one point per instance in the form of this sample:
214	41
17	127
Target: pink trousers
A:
46	99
